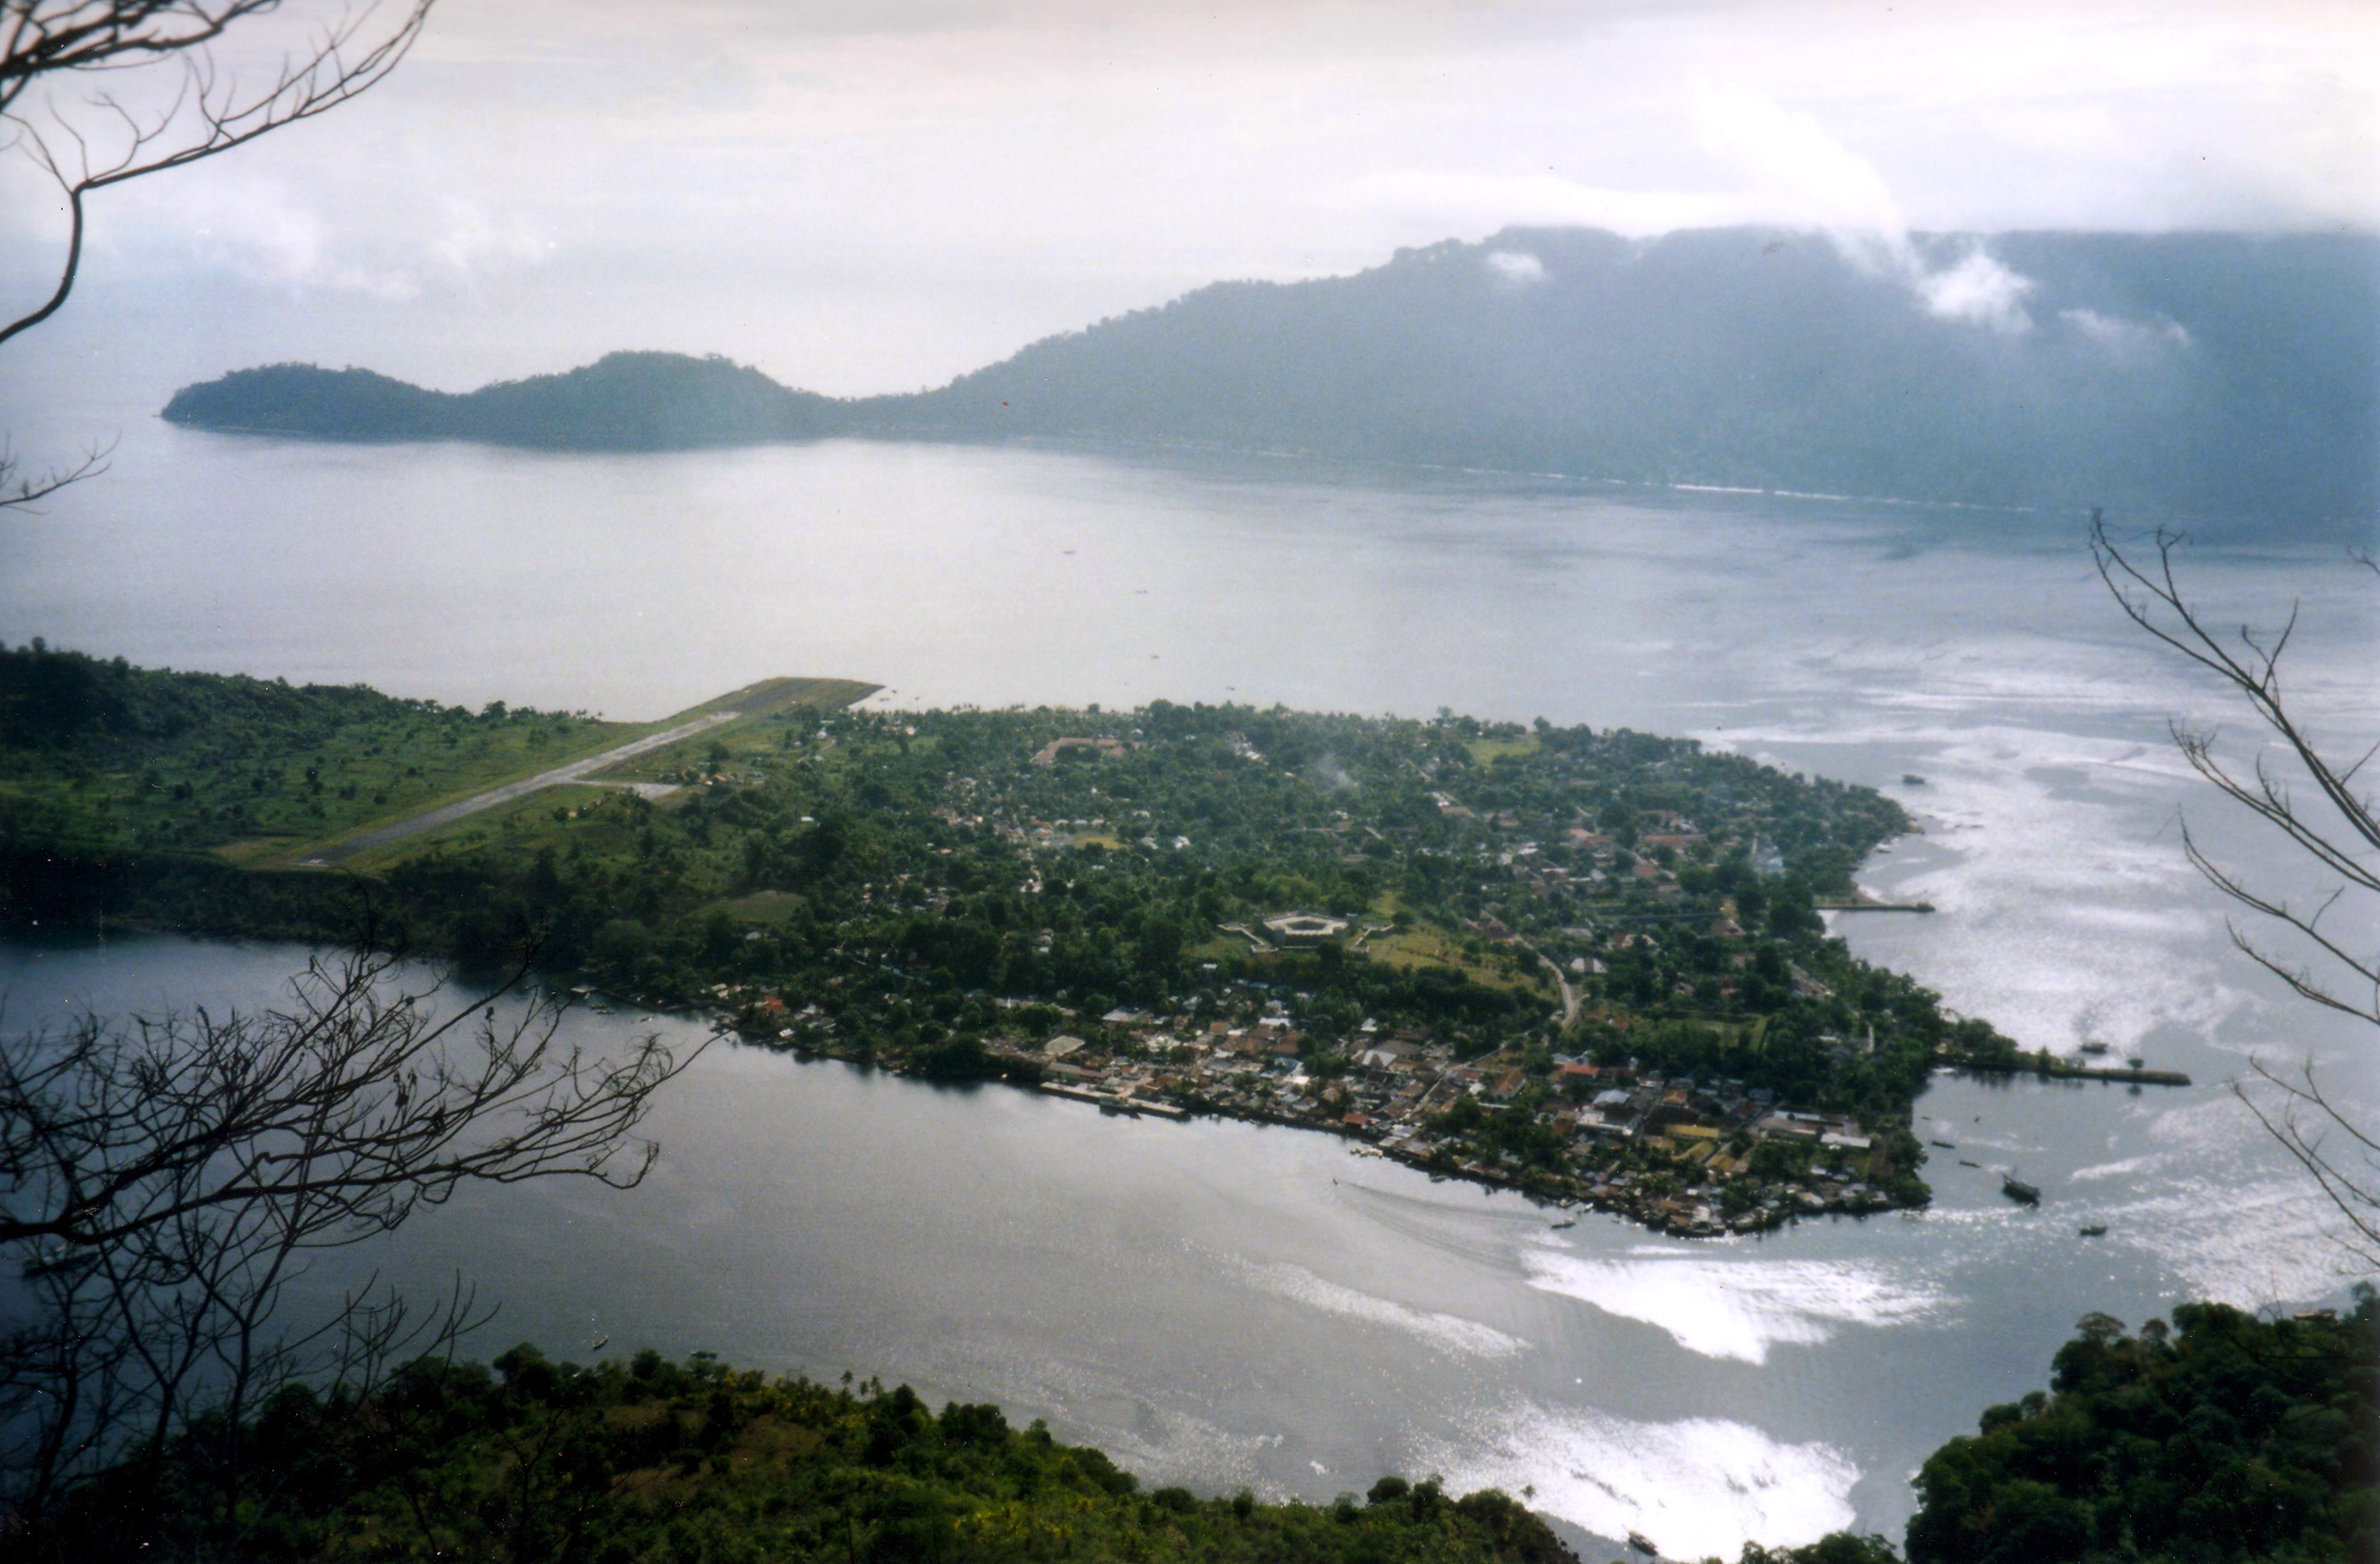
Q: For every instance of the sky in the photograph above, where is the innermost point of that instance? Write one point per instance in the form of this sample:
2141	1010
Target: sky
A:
874	195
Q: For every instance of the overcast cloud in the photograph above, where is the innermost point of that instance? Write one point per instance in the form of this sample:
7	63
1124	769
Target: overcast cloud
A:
863	197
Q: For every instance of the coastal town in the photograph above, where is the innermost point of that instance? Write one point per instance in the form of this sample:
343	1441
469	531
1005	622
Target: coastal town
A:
1589	967
1677	1155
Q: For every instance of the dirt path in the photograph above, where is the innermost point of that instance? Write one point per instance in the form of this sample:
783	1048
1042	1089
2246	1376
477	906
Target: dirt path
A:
576	771
1569	995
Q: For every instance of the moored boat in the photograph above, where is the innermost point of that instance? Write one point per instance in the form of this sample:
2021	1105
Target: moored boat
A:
2016	1189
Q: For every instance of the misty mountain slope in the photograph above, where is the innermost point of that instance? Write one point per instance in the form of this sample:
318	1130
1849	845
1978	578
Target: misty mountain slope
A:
2172	375
2181	373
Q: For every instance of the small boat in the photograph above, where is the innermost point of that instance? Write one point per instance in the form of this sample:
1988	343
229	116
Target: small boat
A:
1566	1222
601	1342
1964	1163
2096	1230
2016	1189
1911	779
1638	1541
1944	1144
2094	1049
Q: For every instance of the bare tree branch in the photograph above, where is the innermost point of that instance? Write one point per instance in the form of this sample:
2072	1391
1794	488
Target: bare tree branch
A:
162	1181
357	1096
19	489
52	45
2307	1123
2316	950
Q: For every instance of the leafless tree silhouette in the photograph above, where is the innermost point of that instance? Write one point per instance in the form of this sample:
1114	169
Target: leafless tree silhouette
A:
2309	792
163	1182
100	92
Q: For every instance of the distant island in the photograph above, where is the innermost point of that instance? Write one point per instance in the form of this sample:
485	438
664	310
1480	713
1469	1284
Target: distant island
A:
2170	375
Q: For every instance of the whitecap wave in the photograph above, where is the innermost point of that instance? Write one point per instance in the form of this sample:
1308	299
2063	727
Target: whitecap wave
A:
1696	1487
1726	1308
2117	1169
1451	1333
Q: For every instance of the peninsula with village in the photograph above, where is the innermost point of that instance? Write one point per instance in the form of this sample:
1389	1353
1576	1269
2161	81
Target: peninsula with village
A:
1590	965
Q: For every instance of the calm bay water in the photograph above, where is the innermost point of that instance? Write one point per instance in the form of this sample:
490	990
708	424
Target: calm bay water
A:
1223	1303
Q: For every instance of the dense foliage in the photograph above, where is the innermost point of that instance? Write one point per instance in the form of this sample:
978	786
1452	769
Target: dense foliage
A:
2223	1439
101	756
2226	1439
697	1464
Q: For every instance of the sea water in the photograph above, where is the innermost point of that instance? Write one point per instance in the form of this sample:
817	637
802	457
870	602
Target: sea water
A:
1226	1305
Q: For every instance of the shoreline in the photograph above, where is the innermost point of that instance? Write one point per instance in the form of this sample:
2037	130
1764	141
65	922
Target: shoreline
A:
1659	1213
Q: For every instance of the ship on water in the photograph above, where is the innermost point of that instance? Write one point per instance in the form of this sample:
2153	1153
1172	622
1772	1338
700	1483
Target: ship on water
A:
2016	1189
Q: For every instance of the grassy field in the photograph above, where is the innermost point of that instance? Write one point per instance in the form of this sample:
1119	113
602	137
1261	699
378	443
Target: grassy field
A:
1488	751
749	740
759	907
1420	945
741	748
97	755
255	777
502	758
525	822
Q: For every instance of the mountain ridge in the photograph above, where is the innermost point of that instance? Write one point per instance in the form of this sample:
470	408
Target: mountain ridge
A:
2171	374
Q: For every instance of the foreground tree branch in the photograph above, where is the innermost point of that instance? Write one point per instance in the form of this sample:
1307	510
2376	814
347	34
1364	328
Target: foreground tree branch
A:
161	1181
2313	795
168	101
354	1106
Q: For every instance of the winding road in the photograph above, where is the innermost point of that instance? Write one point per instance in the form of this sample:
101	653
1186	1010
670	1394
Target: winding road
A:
1569	995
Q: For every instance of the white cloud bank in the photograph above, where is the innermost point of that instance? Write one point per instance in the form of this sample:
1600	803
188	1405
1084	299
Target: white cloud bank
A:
1793	165
1517	267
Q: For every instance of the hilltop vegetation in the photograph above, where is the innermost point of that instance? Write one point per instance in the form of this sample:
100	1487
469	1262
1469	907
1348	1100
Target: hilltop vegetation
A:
2178	374
2225	1439
697	1464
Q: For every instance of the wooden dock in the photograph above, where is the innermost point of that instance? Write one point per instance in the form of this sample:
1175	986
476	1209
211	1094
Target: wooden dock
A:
2059	1069
1108	1102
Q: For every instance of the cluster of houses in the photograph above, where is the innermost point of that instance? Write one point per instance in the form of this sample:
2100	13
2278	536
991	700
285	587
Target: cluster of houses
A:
1684	1156
1676	1154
